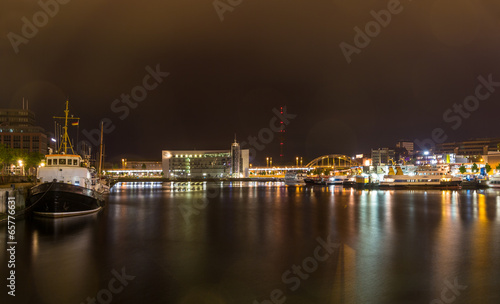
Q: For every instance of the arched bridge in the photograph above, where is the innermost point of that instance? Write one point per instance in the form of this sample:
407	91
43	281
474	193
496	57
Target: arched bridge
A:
333	161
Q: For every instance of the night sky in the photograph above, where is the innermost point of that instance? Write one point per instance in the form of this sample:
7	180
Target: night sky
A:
226	76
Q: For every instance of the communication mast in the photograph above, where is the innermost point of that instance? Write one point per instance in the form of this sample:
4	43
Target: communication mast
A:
282	138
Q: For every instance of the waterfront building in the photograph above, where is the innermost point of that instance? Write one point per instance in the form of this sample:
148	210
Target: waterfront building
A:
18	130
408	145
135	168
429	158
141	164
468	148
382	156
204	163
492	158
235	159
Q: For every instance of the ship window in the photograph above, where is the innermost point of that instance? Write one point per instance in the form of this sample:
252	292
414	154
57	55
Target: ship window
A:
49	161
75	162
70	161
62	161
55	161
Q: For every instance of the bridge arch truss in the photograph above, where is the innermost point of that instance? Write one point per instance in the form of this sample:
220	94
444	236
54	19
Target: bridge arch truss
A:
333	161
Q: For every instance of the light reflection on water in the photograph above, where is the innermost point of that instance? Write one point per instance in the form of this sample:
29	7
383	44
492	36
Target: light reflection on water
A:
396	246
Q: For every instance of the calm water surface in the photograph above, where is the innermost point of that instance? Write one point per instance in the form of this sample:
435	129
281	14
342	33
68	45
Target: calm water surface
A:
254	242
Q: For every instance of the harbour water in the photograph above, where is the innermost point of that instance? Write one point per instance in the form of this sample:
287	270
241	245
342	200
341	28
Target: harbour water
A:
249	242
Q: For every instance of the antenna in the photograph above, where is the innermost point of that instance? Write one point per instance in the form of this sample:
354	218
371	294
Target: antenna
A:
282	137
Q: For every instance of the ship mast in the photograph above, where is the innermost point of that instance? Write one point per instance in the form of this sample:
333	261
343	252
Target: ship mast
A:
63	147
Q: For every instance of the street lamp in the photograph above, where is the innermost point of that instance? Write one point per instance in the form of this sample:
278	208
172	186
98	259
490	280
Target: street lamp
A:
297	161
267	161
20	162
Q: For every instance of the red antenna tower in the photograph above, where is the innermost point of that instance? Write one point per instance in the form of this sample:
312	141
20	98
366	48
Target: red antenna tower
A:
282	137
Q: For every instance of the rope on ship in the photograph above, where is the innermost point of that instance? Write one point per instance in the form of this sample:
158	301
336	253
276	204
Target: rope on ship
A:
22	211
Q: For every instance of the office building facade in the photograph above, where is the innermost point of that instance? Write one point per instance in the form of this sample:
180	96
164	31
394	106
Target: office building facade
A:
18	130
408	145
204	163
470	147
382	156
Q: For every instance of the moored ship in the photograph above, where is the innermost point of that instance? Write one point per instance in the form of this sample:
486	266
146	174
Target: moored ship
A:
424	177
67	187
494	181
295	179
336	180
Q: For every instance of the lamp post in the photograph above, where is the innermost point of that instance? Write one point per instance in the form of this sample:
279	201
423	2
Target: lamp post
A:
297	161
267	161
20	162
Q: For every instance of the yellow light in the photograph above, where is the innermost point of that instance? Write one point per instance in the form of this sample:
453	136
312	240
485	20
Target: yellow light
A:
20	162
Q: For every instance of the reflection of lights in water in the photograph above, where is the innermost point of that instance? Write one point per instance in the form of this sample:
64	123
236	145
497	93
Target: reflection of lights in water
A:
481	206
67	243
34	245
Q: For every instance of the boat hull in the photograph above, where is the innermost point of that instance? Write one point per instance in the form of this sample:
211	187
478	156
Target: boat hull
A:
442	185
314	182
60	200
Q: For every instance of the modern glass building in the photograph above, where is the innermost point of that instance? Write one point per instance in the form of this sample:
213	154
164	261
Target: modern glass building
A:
202	164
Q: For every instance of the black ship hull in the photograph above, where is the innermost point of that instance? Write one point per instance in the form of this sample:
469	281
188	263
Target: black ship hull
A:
60	200
452	185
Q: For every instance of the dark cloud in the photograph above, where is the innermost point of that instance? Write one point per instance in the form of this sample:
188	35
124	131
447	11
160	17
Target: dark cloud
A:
226	77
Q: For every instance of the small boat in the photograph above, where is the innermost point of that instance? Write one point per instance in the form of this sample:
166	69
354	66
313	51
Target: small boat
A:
494	181
350	181
295	179
315	181
337	180
424	177
67	187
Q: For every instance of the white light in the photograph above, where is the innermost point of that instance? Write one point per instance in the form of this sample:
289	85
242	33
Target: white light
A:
53	139
426	152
